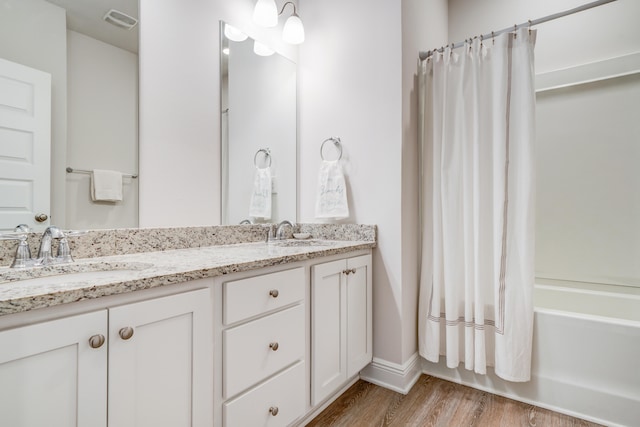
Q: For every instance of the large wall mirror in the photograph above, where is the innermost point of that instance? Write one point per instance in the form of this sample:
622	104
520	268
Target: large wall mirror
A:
93	63
258	125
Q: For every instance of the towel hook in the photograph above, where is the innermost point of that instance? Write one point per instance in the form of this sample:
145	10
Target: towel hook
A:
336	143
267	155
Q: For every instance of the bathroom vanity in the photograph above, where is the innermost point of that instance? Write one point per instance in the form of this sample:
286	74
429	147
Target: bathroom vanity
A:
226	335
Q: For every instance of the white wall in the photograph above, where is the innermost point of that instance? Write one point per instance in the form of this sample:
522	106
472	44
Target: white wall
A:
102	130
351	87
180	106
33	33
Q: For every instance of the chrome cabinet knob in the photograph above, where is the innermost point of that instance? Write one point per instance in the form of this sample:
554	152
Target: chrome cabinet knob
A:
274	346
41	217
126	333
96	341
274	293
273	410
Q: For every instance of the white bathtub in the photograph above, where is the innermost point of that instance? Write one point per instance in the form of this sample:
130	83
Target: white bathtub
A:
586	355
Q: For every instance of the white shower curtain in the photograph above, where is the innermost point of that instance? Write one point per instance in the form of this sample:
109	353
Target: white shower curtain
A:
477	127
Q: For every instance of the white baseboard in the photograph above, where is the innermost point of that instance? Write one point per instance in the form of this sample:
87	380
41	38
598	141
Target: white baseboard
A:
390	375
596	405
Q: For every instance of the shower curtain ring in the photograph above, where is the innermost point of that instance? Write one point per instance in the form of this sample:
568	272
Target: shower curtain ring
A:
529	26
493	38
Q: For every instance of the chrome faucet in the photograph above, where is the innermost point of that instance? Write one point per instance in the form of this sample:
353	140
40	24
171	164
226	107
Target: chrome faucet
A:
44	253
279	229
23	254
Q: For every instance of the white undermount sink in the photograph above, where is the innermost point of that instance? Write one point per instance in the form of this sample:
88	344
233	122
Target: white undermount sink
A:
299	243
71	273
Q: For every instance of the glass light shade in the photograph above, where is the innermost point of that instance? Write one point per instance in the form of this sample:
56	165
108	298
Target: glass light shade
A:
234	34
262	49
293	31
265	13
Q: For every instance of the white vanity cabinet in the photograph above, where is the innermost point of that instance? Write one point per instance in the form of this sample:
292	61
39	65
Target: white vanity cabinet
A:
263	351
152	357
341	323
160	362
51	376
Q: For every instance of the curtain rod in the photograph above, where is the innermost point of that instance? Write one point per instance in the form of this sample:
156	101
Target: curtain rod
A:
424	55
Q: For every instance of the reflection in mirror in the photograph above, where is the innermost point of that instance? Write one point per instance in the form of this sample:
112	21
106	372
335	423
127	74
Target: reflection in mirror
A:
258	126
93	66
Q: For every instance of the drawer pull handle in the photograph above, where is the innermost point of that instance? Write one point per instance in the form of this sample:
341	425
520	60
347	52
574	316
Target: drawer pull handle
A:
96	341
273	410
274	293
353	271
126	333
346	272
274	346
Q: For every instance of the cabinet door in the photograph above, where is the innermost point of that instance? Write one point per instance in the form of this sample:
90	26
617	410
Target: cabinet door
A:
328	337
51	376
359	316
161	375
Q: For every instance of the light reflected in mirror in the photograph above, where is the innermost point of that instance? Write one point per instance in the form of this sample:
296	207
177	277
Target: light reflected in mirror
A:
94	107
258	126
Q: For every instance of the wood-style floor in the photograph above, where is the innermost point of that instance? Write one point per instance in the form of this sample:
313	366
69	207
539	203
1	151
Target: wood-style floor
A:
435	402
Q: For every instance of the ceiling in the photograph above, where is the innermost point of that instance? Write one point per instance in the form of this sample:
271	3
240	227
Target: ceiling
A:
86	17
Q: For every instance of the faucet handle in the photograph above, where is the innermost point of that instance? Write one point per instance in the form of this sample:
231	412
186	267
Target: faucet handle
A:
64	252
23	252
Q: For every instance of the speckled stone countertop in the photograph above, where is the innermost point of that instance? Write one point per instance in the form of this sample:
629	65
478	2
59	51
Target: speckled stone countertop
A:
131	272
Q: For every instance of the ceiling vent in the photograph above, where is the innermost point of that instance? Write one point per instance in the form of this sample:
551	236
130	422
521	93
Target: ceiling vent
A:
120	19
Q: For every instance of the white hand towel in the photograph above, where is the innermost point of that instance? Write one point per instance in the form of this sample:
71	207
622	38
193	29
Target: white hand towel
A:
331	200
260	206
106	186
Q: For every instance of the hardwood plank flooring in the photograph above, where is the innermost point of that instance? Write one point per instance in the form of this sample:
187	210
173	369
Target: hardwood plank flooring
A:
438	403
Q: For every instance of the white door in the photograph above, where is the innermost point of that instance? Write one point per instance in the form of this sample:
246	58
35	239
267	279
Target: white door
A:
161	361
25	145
50	374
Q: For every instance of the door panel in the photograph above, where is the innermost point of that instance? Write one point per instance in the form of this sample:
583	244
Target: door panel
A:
25	145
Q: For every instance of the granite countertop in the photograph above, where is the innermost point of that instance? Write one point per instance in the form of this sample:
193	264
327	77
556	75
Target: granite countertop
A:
127	273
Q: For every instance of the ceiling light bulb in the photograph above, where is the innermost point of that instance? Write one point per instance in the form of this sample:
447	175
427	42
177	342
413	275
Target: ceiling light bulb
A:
266	13
293	31
262	49
234	34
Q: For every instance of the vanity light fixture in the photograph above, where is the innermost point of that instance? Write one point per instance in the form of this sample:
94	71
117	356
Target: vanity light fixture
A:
293	31
234	34
262	49
266	14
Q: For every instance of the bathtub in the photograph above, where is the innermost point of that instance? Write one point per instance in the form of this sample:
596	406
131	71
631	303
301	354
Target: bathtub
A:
586	355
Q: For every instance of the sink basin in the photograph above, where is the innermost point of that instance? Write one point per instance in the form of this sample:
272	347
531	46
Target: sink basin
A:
72	273
293	243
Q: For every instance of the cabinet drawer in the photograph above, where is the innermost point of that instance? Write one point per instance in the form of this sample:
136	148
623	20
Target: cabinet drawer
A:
248	353
286	392
256	295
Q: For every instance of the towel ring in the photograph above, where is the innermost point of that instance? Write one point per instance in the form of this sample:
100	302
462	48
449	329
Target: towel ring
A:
267	155
336	142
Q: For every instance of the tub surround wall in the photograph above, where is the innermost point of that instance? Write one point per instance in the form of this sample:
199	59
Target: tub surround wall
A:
100	243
